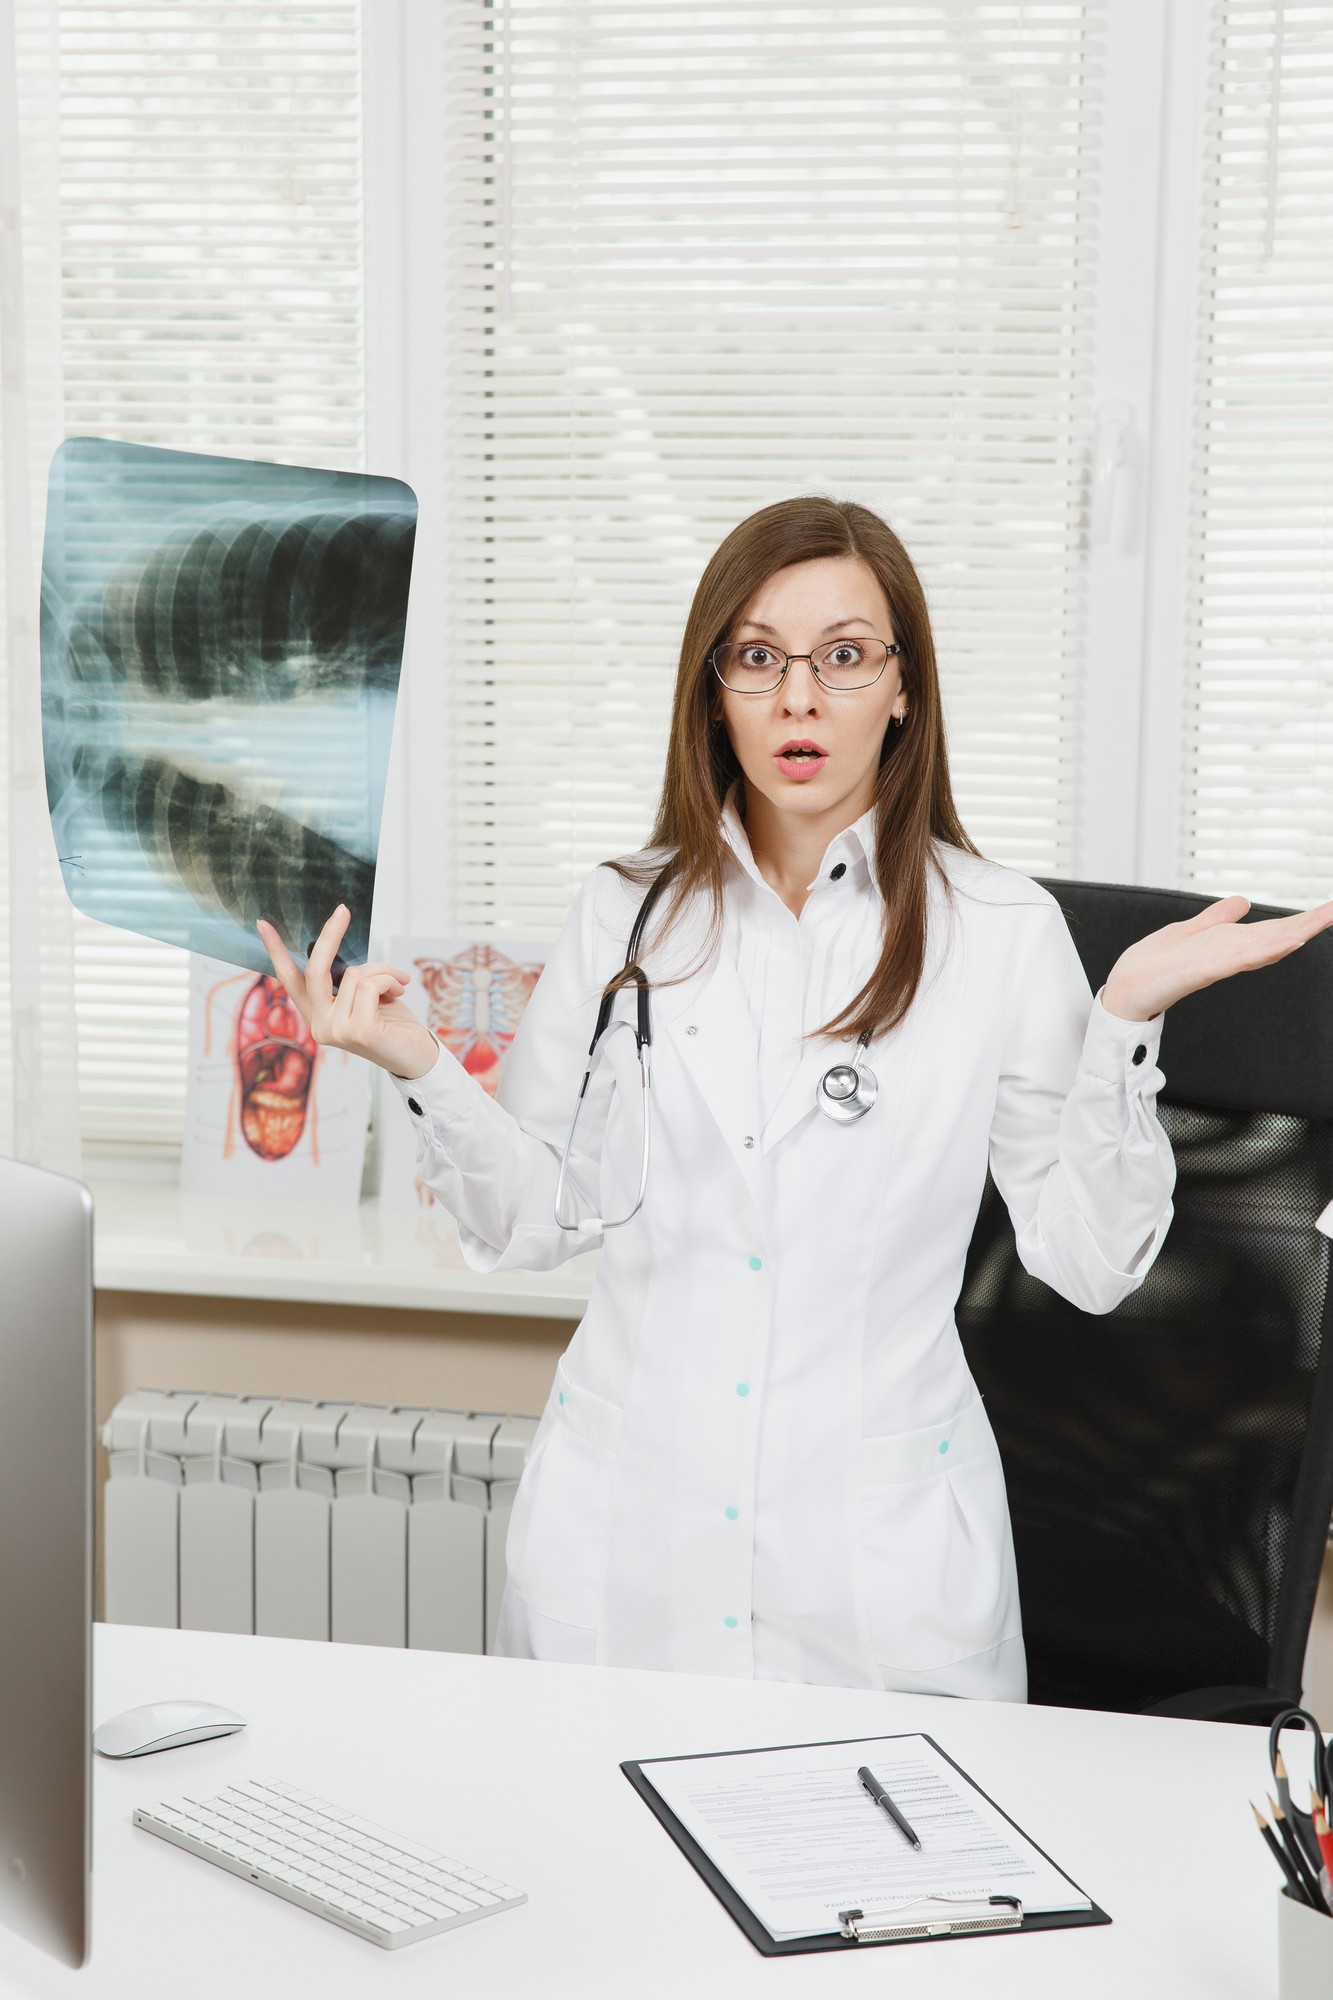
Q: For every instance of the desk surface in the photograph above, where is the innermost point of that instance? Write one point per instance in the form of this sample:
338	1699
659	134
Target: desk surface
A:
513	1766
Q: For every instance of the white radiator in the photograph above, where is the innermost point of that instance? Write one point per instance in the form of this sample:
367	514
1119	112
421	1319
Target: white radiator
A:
305	1520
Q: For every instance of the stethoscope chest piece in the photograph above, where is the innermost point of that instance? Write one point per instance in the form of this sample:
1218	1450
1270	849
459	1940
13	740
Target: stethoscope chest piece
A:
848	1090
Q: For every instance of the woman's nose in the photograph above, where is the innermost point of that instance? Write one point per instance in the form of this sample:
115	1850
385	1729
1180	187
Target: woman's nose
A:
800	689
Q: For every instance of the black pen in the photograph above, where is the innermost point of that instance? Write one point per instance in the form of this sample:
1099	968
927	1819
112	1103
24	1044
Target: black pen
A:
881	1798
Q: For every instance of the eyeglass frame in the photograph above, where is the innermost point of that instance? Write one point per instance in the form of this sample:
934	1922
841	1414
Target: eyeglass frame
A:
787	659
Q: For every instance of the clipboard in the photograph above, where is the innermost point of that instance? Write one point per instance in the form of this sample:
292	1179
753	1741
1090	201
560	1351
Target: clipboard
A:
637	1771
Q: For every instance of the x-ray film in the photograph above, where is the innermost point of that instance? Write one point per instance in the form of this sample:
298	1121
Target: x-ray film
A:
221	646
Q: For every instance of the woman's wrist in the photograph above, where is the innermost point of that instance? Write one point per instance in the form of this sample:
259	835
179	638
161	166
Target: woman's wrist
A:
1123	1003
430	1057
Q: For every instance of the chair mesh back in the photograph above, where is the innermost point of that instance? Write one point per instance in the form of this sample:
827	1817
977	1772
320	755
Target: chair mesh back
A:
1170	1464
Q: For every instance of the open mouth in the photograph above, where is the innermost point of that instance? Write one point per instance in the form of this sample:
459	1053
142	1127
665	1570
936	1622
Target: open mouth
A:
801	759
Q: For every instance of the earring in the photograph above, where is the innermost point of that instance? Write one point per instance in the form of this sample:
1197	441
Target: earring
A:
899	720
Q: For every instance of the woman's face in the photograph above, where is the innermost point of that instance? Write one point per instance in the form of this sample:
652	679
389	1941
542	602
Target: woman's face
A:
803	748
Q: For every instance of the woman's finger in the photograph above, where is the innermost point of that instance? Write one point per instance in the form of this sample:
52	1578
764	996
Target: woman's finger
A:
319	964
352	980
371	989
293	979
1312	921
1229	910
1274	937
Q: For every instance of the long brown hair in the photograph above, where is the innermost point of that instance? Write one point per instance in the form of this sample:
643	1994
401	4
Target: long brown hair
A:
913	798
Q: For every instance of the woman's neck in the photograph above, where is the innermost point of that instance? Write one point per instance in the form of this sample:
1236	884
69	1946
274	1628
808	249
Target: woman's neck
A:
788	847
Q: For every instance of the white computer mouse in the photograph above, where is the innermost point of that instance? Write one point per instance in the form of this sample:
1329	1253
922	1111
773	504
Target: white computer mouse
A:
164	1725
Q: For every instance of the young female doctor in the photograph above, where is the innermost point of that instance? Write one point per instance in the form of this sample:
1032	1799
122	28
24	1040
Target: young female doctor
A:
763	1454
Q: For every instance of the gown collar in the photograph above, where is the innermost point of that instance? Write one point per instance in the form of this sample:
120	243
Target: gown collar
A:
854	847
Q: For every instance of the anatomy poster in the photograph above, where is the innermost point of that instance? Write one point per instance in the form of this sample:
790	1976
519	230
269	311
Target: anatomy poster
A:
471	996
221	646
267	1111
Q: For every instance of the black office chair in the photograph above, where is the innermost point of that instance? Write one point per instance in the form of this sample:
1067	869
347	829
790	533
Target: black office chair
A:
1170	1464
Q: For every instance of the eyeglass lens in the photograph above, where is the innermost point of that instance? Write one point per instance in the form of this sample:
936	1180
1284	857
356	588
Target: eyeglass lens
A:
751	668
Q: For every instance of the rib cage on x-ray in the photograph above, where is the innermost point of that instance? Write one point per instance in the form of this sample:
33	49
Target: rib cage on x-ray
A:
257	610
233	854
221	643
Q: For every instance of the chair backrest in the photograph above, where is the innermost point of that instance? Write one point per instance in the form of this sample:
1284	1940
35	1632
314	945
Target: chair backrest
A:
1170	1464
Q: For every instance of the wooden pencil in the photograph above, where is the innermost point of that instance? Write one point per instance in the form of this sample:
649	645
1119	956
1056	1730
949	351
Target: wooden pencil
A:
1283	1784
1279	1854
1325	1839
1314	1895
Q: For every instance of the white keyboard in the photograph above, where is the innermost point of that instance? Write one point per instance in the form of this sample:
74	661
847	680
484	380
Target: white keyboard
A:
385	1888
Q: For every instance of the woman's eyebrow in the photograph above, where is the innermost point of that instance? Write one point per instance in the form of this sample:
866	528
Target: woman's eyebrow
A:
753	625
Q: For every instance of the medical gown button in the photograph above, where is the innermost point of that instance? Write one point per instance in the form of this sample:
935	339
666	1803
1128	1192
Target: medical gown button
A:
731	1622
733	1513
756	1263
1139	1053
742	1388
414	1107
944	1444
836	874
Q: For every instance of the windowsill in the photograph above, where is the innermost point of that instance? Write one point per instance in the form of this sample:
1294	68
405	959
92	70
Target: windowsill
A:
149	1237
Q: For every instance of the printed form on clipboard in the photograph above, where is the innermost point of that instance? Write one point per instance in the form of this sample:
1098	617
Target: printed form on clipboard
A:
804	1850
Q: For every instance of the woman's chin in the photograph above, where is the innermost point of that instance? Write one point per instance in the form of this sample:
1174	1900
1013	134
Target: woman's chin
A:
823	792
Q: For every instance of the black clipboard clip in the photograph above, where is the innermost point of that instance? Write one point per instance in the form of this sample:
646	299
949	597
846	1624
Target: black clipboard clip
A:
999	1913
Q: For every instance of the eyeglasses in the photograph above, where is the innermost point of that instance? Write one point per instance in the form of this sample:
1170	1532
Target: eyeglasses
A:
748	667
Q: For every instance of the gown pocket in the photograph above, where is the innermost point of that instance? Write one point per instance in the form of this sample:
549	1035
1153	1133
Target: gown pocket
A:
558	1533
937	1548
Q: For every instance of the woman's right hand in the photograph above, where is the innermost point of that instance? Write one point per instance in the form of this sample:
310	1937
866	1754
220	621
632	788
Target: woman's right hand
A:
367	1015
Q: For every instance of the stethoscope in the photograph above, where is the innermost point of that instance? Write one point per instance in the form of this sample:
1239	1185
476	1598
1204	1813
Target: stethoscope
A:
845	1092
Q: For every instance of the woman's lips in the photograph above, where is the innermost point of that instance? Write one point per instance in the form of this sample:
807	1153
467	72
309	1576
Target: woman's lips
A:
801	769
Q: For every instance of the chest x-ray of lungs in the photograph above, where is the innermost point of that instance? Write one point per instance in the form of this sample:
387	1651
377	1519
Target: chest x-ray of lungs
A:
221	646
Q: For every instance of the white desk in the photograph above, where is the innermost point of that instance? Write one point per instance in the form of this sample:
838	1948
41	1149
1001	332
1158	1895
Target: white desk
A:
514	1766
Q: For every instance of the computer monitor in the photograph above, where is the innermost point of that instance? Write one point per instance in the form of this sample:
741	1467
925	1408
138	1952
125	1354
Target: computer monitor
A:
46	1557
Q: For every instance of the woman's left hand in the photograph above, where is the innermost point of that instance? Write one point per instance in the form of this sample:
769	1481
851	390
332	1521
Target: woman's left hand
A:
1181	958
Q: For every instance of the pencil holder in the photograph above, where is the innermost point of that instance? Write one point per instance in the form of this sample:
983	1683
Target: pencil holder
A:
1304	1951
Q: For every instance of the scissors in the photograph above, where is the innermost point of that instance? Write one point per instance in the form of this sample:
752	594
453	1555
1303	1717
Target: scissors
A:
1303	1822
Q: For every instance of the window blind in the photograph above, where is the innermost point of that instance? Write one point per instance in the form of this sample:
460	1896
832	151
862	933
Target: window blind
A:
38	1100
211	194
1258	776
705	257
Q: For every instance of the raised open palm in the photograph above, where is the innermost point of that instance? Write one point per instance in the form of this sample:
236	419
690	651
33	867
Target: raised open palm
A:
1182	958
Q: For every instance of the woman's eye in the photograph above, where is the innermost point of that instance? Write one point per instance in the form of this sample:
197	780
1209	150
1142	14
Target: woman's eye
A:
844	656
756	656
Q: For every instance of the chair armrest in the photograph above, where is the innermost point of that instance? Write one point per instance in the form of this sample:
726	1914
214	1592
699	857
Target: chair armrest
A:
1225	1704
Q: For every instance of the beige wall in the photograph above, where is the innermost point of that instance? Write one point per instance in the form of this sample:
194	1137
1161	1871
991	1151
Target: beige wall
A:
458	1361
468	1361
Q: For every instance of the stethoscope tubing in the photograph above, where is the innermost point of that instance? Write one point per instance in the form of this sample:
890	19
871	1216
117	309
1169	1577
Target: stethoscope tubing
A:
845	1092
631	971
